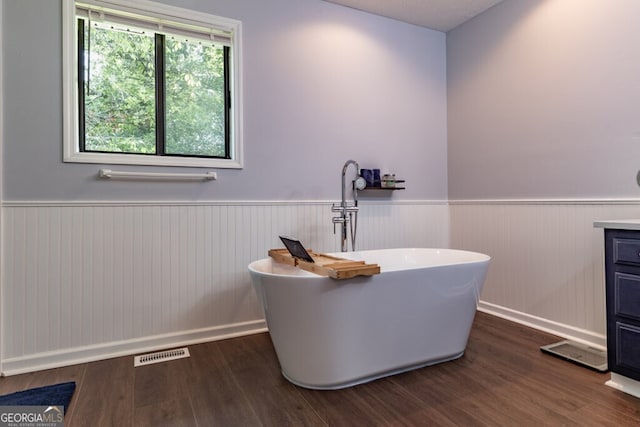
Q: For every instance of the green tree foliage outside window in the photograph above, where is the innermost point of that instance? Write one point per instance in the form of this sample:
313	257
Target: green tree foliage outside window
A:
124	110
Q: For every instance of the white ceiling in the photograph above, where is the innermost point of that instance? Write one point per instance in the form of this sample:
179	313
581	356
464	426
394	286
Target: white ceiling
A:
441	15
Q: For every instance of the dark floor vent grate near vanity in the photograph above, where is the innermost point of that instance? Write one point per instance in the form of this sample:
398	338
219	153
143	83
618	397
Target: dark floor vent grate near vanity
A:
161	356
578	353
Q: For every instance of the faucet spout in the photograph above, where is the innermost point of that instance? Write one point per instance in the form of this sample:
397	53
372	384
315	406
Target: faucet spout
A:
344	182
348	212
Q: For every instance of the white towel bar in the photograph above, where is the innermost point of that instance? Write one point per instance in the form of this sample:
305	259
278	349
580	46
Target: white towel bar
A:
164	176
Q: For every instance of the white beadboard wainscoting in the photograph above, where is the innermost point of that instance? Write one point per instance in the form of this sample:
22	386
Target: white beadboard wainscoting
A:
87	281
547	260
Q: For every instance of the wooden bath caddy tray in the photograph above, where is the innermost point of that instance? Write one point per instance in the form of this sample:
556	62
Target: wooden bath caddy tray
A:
326	265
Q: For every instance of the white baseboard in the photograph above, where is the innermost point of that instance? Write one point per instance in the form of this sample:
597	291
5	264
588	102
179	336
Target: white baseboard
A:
622	383
73	356
565	331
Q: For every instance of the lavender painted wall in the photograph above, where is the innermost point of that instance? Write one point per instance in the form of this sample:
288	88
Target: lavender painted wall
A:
323	83
544	101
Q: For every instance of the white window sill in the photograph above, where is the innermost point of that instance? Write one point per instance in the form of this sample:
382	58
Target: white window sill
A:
150	160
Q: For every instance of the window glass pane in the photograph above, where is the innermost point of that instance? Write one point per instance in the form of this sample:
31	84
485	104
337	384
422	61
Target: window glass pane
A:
119	87
195	101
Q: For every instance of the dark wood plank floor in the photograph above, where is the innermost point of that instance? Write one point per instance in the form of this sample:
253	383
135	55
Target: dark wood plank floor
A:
502	380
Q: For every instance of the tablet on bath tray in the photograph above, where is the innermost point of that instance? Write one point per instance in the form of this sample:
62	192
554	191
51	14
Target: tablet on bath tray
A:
296	249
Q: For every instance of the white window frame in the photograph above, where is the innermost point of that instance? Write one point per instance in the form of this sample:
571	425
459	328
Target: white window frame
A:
71	147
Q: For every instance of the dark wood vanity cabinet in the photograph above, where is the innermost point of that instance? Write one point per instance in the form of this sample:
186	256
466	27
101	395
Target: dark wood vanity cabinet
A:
622	271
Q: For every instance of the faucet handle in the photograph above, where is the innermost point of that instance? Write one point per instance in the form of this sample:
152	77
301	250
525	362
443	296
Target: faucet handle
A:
338	220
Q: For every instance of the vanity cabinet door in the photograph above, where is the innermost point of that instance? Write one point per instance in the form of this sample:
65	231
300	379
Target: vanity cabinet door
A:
628	347
627	295
626	251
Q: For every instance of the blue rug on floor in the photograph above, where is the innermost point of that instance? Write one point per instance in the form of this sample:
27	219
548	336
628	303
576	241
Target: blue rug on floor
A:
51	395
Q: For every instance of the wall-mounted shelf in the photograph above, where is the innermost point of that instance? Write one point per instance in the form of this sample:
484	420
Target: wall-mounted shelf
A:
387	188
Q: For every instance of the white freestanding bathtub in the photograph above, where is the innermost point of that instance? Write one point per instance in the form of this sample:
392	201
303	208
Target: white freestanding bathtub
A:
331	334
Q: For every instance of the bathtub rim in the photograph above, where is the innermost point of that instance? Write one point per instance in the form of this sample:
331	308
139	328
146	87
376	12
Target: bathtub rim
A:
355	255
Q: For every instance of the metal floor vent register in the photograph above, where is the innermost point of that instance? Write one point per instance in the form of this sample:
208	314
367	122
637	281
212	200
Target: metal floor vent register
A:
579	353
161	356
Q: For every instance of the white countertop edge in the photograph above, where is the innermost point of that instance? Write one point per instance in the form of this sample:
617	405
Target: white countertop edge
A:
620	224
